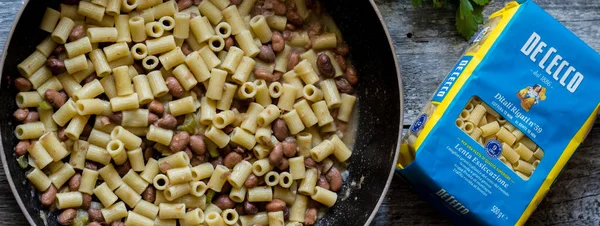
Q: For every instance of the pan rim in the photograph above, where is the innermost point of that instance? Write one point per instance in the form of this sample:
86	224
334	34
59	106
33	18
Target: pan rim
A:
27	214
401	98
9	178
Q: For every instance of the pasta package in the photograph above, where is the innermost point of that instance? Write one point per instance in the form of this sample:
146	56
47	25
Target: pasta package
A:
506	119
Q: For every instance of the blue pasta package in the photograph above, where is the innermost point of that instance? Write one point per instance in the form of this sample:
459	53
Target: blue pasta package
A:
505	120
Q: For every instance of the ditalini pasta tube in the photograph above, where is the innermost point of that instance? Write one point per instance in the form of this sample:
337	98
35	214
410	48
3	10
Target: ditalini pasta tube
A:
261	28
110	177
50	20
505	136
179	159
146	209
330	93
287	98
246	42
232	60
150	171
202	171
160	45
179	175
260	194
173	58
39	180
102	34
117	151
323	150
306	72
293	122
261	167
128	195
196	64
238	195
76	48
298	208
114	212
157	84
324	196
39	155
137	219
53	146
105	194
201	29
88	181
209	57
341	151
184	75
322	112
175	191
62	175
523	151
216	82
231	216
243	70
268	115
211	11
62	30
130	140
171	211
182	106
240	172
68	200
218	178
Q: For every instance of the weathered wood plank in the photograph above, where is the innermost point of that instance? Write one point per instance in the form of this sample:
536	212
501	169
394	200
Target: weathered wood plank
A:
425	58
10	213
427	44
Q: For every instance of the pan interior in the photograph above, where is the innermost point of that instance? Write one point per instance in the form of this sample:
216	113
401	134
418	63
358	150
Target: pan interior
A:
378	108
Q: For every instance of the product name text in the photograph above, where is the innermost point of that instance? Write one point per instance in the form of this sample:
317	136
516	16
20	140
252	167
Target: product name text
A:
513	110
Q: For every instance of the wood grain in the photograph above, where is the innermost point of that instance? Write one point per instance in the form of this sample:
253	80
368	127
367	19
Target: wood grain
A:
427	46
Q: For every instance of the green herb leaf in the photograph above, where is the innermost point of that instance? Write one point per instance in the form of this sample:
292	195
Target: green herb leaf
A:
481	2
45	105
468	15
209	196
189	125
213	152
23	162
478	14
465	21
417	2
81	219
465	10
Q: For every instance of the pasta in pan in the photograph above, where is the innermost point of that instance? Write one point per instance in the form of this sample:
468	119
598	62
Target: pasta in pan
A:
153	113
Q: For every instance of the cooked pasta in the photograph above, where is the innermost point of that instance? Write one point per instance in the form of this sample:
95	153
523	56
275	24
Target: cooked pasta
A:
167	89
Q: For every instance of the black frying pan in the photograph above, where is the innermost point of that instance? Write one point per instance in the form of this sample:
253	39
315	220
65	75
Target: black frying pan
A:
380	110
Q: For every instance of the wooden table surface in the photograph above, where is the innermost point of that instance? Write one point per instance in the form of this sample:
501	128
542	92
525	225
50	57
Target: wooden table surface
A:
428	46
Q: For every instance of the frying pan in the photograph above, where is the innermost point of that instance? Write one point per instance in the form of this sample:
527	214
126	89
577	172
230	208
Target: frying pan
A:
379	109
